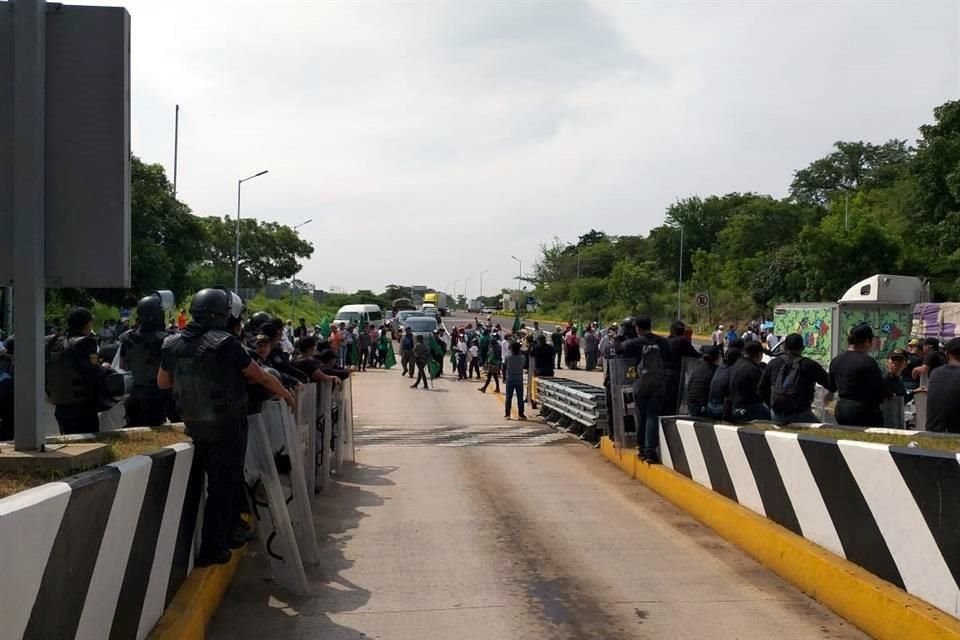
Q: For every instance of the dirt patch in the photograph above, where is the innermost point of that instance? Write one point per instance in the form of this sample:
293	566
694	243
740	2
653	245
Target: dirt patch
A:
122	445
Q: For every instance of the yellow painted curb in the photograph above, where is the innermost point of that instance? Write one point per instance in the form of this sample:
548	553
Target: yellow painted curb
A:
196	601
874	605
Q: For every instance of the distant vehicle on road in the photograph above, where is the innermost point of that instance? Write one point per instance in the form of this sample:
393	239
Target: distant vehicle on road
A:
490	310
403	316
439	300
429	309
403	304
360	315
422	326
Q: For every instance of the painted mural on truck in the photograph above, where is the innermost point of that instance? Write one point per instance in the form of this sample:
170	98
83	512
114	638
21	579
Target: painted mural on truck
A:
814	324
891	327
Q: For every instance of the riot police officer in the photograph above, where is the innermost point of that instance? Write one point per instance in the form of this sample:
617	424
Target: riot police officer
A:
74	375
146	405
208	368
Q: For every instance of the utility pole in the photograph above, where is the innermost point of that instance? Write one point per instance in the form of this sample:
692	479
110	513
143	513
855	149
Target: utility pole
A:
680	278
176	146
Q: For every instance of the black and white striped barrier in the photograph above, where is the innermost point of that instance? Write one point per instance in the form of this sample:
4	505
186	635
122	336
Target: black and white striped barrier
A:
895	511
334	435
100	554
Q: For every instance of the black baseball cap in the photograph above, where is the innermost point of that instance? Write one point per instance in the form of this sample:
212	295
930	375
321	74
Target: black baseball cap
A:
897	354
933	342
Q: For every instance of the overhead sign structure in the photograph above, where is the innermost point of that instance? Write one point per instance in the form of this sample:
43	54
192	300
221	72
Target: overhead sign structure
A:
64	169
702	300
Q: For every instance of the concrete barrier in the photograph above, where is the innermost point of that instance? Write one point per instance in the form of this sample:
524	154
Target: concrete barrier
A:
100	554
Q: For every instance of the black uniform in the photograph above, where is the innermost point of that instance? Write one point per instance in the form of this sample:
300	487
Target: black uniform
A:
211	392
698	391
147	404
680	348
73	382
860	389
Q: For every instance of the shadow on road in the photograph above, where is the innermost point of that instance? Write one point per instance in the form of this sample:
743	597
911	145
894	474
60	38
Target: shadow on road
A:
256	607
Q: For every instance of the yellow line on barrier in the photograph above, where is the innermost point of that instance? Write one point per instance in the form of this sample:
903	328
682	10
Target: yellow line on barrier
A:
874	605
196	601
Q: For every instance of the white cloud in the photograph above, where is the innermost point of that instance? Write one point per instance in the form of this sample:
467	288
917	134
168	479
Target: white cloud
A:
431	140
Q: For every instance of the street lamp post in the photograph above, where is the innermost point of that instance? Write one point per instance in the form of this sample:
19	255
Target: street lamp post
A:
293	288
236	255
466	281
680	278
481	282
519	278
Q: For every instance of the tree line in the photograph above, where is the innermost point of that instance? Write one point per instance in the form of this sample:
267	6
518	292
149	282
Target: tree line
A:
864	208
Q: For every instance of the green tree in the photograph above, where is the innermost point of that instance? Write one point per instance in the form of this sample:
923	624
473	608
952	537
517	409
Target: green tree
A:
853	165
269	251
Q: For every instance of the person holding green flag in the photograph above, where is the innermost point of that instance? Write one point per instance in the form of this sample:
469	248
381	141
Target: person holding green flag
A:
516	321
385	348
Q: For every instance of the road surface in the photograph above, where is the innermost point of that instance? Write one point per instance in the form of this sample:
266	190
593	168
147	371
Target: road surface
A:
457	524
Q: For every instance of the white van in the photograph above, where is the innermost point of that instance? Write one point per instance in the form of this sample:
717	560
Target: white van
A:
360	315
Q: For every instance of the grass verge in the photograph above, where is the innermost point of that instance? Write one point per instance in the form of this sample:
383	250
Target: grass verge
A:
122	445
935	443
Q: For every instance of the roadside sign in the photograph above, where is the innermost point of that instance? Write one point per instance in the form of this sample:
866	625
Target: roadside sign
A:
702	300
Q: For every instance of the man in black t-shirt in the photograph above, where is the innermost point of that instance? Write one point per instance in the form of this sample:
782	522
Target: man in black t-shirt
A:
790	396
543	357
310	366
932	358
859	381
745	383
698	390
943	395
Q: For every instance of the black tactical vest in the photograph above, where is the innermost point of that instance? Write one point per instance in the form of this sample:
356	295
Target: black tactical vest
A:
207	390
142	355
66	385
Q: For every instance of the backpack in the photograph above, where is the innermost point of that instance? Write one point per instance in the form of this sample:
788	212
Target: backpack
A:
650	369
783	392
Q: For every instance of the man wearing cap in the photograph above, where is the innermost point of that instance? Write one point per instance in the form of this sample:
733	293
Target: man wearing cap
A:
914	360
893	376
788	383
943	399
859	381
74	375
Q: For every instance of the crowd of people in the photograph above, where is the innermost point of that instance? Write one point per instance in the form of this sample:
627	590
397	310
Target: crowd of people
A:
735	384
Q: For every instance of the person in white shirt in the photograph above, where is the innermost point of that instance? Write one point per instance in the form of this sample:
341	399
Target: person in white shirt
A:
772	341
718	337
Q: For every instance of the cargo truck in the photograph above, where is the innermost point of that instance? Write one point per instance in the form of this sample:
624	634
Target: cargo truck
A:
439	300
885	302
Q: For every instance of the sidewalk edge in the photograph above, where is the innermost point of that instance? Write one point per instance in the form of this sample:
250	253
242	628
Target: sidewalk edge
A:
196	601
874	605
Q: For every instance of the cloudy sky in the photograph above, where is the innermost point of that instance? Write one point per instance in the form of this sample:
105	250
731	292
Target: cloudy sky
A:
429	141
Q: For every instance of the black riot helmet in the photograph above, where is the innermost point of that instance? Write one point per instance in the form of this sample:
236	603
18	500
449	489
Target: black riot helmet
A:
629	327
257	320
211	308
150	312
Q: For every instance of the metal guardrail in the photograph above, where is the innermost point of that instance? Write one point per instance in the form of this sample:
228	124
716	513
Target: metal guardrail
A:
574	403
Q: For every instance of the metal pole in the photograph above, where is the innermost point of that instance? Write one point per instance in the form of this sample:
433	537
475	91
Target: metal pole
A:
236	254
293	289
481	281
176	145
846	212
29	98
466	281
680	278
